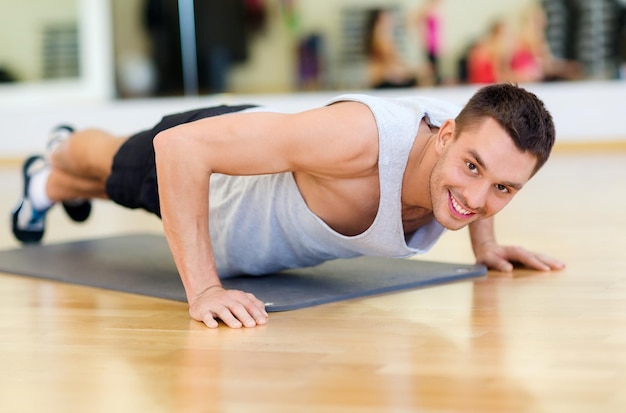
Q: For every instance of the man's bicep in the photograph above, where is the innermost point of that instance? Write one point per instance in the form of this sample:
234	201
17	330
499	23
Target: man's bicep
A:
341	139
320	141
234	144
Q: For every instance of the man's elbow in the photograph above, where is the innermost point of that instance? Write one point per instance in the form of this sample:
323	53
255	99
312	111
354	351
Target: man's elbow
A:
175	148
169	147
163	142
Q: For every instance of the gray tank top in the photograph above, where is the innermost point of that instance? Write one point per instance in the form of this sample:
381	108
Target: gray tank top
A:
261	224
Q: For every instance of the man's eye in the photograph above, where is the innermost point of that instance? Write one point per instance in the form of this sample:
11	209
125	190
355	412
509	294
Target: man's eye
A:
472	167
502	188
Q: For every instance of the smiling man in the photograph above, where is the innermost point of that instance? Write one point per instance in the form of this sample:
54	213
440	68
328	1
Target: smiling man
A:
241	190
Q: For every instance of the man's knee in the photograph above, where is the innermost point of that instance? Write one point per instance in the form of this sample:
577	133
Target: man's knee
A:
89	153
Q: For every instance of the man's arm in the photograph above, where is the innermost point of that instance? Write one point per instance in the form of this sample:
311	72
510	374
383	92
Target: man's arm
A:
246	144
501	258
183	191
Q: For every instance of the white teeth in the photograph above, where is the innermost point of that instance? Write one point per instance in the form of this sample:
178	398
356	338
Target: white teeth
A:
458	207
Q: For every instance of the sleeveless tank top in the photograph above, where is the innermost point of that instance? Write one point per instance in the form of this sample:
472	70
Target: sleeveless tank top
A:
261	224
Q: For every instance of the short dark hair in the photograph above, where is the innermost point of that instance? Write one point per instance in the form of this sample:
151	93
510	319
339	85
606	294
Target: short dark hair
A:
519	112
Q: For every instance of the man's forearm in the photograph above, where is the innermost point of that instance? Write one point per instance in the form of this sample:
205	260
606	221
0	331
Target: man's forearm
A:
183	193
482	232
192	254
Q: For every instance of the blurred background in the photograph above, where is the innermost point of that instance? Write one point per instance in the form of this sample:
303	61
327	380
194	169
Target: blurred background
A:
121	49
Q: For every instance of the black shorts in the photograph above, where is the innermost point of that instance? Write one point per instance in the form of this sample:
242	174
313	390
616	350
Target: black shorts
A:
133	180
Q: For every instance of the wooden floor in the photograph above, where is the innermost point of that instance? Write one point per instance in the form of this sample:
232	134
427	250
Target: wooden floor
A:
533	342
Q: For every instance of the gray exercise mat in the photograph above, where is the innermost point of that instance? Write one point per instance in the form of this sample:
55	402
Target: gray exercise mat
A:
142	264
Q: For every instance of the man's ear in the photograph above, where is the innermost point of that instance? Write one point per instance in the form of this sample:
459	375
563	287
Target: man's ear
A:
445	135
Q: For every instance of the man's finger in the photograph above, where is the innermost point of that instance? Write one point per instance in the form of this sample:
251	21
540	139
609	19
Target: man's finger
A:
256	308
239	311
532	260
551	262
228	318
210	322
495	262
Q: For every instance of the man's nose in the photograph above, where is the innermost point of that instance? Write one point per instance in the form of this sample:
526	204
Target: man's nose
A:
476	195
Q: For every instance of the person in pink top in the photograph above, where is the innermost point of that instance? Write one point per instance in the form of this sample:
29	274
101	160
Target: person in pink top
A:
428	20
532	60
490	58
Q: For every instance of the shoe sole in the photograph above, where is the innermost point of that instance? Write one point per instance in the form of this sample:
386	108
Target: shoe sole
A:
78	213
25	236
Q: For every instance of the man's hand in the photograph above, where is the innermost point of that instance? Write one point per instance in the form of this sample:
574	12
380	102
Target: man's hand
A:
501	258
235	308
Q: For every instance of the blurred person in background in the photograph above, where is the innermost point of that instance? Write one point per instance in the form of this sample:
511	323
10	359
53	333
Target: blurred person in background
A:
532	59
386	66
428	21
488	60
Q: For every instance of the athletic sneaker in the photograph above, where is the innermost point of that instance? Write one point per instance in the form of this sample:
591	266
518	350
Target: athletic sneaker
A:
80	209
29	223
59	135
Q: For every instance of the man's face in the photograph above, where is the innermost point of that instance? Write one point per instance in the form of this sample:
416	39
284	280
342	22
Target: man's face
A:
477	174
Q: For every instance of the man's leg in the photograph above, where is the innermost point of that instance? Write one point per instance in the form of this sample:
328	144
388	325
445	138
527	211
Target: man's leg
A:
81	165
95	164
75	171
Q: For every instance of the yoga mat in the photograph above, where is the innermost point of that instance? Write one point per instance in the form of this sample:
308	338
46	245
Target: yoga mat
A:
142	264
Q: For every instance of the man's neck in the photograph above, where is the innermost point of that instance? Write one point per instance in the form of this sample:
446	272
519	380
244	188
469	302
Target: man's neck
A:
422	159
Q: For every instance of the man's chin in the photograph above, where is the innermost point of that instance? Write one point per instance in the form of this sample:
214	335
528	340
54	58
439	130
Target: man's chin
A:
456	227
452	224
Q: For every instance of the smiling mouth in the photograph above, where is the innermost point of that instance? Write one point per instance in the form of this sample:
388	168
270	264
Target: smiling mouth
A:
457	208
